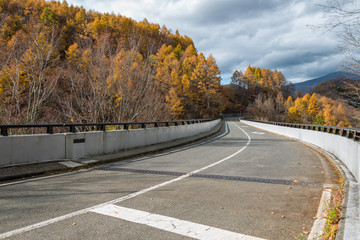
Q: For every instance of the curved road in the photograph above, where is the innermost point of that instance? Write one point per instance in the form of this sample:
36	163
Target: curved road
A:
242	183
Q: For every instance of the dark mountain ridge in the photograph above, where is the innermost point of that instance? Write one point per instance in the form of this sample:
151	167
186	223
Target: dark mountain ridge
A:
340	89
306	86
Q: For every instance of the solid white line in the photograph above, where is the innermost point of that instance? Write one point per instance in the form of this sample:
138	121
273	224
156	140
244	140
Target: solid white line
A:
42	178
174	225
70	215
192	145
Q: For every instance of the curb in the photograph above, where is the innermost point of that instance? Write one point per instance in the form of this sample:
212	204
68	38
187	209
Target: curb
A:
349	224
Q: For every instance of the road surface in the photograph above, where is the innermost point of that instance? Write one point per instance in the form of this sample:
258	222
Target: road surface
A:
242	183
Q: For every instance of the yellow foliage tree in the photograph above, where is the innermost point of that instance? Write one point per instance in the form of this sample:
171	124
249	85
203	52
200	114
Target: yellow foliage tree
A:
294	116
313	107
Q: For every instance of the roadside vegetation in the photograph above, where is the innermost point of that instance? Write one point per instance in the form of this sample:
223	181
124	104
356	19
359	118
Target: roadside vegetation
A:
61	63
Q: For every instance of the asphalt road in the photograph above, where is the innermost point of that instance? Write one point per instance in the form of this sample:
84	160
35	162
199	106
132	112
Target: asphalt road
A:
242	183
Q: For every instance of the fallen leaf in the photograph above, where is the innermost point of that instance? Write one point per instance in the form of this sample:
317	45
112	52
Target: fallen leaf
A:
116	213
74	223
151	198
304	228
273	212
314	217
282	216
315	166
306	232
296	181
221	207
289	187
236	212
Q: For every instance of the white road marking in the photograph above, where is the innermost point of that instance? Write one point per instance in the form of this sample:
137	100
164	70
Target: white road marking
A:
174	225
70	215
258	133
42	178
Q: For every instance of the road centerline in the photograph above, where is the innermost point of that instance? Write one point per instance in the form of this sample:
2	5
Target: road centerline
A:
132	195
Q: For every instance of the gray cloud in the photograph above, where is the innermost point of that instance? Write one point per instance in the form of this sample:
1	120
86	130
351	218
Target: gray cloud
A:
265	33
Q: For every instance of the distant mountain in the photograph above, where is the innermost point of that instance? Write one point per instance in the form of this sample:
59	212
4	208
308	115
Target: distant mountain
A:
307	86
339	89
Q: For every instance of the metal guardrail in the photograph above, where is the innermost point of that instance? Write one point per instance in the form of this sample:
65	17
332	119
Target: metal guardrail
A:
100	126
351	133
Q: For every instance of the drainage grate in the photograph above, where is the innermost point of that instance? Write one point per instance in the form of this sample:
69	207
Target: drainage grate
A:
221	177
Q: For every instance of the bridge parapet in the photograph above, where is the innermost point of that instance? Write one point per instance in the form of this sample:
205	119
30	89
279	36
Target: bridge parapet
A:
35	148
339	141
78	127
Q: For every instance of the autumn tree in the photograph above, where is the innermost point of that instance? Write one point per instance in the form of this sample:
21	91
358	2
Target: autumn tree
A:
317	110
259	85
343	18
59	62
32	69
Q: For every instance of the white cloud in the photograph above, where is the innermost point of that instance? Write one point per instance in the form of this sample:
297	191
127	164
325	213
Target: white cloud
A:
264	33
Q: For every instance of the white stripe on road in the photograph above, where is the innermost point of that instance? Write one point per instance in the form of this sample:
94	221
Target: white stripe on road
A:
70	215
258	133
169	224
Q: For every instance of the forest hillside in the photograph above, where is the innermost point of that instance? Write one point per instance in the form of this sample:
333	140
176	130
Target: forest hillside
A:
61	63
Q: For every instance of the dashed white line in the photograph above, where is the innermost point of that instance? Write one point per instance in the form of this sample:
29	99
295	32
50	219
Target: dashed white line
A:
258	133
70	215
169	224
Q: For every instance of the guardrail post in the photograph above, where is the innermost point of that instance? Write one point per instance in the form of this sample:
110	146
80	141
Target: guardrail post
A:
156	125
102	128
4	131
143	125
126	127
49	130
357	136
343	133
72	129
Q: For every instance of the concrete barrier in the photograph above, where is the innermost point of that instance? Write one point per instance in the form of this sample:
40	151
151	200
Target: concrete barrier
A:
347	150
21	149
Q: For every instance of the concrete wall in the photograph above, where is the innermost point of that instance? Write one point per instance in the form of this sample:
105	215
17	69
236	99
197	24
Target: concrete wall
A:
22	149
347	150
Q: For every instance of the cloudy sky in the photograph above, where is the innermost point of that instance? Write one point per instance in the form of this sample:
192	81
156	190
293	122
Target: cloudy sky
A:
264	33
